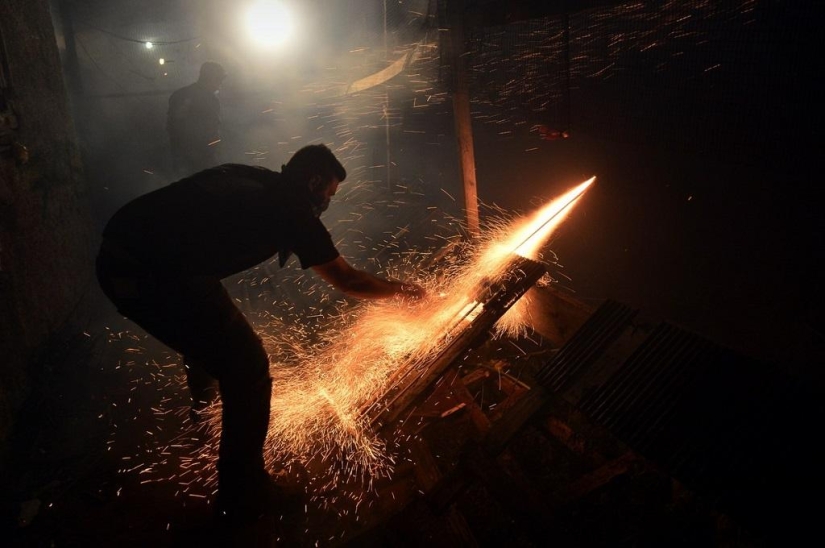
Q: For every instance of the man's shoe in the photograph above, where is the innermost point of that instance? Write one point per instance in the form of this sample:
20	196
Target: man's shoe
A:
254	501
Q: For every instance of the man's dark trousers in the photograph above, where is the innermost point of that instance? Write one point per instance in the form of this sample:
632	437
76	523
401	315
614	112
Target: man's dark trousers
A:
196	317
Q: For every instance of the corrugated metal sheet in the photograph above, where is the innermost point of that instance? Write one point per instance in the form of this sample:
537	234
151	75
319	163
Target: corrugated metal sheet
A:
730	427
587	344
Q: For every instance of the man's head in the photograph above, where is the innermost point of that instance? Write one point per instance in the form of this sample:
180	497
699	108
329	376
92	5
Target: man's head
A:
317	168
212	75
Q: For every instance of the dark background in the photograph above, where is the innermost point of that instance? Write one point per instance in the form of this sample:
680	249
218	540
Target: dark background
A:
699	120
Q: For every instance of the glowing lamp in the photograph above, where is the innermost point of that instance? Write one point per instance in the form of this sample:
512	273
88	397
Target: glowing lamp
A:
268	23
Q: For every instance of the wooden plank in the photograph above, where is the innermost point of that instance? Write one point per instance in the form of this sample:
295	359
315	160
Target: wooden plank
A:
511	422
477	416
514	389
555	315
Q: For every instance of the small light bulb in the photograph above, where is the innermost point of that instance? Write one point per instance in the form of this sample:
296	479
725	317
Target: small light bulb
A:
162	61
149	45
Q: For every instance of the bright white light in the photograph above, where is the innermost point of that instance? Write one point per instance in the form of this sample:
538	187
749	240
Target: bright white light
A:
162	61
268	23
149	45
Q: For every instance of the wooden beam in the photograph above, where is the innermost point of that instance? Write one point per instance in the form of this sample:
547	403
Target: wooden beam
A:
461	113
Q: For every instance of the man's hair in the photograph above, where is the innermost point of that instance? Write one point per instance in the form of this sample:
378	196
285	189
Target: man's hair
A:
212	70
314	160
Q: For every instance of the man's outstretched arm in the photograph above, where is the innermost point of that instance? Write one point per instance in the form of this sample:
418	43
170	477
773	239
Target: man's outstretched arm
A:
357	283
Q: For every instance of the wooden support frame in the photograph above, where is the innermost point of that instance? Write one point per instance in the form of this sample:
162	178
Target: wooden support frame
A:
418	382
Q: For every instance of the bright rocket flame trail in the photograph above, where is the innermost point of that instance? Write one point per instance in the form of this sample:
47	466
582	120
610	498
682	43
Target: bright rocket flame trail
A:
527	240
318	417
545	222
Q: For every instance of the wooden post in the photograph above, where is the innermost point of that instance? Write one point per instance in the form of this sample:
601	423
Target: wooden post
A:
387	106
461	112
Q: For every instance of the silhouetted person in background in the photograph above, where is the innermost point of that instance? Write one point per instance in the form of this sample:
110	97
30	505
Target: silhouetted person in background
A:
161	261
193	122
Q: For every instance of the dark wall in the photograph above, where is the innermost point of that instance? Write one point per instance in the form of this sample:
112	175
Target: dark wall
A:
700	121
45	231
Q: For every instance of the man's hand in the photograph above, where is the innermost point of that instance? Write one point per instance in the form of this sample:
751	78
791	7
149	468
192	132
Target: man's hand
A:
360	284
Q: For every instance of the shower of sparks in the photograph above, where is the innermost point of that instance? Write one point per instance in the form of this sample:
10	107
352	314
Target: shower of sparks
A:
319	410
